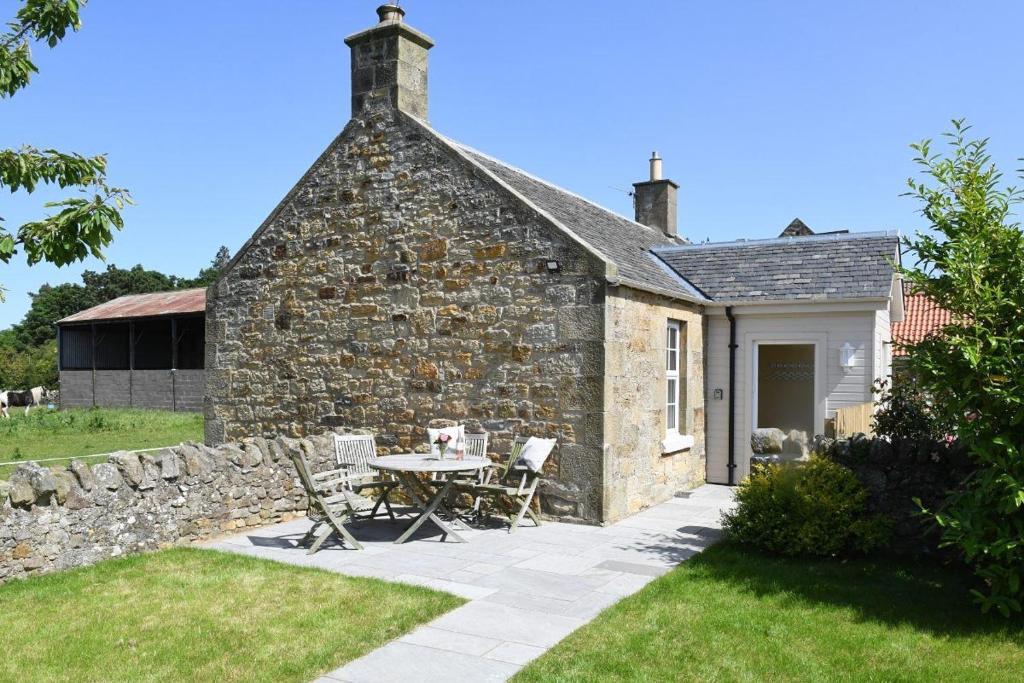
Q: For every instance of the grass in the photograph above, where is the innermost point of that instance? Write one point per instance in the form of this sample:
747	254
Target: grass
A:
75	433
200	615
734	615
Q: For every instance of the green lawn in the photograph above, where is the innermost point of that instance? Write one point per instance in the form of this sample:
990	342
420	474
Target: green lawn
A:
54	434
200	615
733	615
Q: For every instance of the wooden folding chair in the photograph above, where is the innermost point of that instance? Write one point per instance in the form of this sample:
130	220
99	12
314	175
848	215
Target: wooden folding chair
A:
353	453
514	489
332	502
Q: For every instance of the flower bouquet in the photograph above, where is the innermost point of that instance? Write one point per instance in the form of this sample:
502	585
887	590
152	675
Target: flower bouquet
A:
443	440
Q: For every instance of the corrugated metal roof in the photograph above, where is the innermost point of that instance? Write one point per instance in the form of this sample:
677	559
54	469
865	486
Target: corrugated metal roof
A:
143	306
922	317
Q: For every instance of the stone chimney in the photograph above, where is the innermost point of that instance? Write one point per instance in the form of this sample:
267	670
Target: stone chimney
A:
389	65
654	200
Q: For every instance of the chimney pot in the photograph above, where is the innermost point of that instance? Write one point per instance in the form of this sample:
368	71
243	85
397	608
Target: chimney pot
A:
654	200
390	14
655	166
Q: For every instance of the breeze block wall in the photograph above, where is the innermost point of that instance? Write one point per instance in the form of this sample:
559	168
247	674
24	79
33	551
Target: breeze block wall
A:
153	389
63	517
396	284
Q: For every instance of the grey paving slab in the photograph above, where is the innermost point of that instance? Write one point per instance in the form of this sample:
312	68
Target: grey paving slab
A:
631	568
399	662
525	591
557	563
515	653
463	643
502	622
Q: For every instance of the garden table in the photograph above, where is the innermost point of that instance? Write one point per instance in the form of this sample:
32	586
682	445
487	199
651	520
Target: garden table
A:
406	467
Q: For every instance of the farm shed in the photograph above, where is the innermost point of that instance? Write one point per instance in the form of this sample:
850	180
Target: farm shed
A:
139	351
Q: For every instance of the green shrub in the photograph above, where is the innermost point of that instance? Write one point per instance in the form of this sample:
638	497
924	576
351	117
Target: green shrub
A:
905	412
812	508
971	263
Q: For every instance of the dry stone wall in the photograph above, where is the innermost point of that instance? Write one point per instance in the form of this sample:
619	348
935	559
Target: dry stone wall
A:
57	518
397	284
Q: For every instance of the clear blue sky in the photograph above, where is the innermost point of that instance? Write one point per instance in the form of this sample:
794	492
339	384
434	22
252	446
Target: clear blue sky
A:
211	109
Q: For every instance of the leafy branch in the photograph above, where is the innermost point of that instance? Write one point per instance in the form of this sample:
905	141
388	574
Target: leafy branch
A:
79	226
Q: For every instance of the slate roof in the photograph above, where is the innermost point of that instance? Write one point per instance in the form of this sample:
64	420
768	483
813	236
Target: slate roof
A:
625	243
812	268
921	317
143	306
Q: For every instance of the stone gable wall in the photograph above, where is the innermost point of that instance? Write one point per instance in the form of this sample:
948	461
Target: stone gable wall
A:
397	284
638	474
63	517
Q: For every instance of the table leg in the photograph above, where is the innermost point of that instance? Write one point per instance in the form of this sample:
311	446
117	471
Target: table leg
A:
443	507
428	511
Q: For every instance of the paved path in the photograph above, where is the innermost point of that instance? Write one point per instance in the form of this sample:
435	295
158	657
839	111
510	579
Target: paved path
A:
526	590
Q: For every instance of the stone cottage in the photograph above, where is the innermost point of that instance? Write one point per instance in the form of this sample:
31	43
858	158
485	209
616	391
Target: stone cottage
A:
407	277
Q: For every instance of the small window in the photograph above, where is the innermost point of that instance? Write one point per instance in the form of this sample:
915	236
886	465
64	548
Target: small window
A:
672	362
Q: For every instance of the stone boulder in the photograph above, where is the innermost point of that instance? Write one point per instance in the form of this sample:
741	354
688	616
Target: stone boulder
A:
795	445
107	476
170	467
767	440
130	467
31	484
65	481
83	474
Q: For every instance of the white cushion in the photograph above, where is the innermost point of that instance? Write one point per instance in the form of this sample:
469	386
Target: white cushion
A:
535	452
454	432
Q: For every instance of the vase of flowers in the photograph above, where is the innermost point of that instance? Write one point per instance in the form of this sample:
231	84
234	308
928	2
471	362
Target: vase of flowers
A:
443	440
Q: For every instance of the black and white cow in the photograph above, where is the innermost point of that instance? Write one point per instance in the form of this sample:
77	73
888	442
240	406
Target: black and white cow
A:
17	399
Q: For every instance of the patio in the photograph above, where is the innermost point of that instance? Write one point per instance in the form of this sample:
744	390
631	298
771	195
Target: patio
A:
526	590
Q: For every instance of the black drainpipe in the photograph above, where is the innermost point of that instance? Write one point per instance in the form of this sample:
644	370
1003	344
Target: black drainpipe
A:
732	395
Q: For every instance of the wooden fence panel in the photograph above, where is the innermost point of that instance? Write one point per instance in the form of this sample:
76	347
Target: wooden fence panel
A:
853	419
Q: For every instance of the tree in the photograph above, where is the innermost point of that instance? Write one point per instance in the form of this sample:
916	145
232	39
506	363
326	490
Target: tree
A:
83	224
972	264
114	282
207	276
53	302
50	304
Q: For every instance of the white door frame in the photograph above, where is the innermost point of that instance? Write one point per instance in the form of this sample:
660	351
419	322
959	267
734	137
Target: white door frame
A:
751	342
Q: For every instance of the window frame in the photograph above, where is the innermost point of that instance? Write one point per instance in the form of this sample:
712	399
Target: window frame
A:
673	364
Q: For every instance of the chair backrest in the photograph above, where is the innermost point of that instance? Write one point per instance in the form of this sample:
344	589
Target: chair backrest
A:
306	478
353	451
476	445
521	476
517	448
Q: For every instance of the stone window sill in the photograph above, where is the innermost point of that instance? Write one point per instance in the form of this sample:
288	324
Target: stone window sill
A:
673	443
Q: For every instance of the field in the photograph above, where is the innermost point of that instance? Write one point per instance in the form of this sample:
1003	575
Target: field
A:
46	434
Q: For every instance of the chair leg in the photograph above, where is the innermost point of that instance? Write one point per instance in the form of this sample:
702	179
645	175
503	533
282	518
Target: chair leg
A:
522	511
310	535
387	506
337	525
320	538
533	515
349	537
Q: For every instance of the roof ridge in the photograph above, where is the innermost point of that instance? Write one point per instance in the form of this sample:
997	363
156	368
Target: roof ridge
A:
825	237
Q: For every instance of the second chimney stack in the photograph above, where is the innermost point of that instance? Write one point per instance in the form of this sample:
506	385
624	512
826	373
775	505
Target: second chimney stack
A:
654	200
